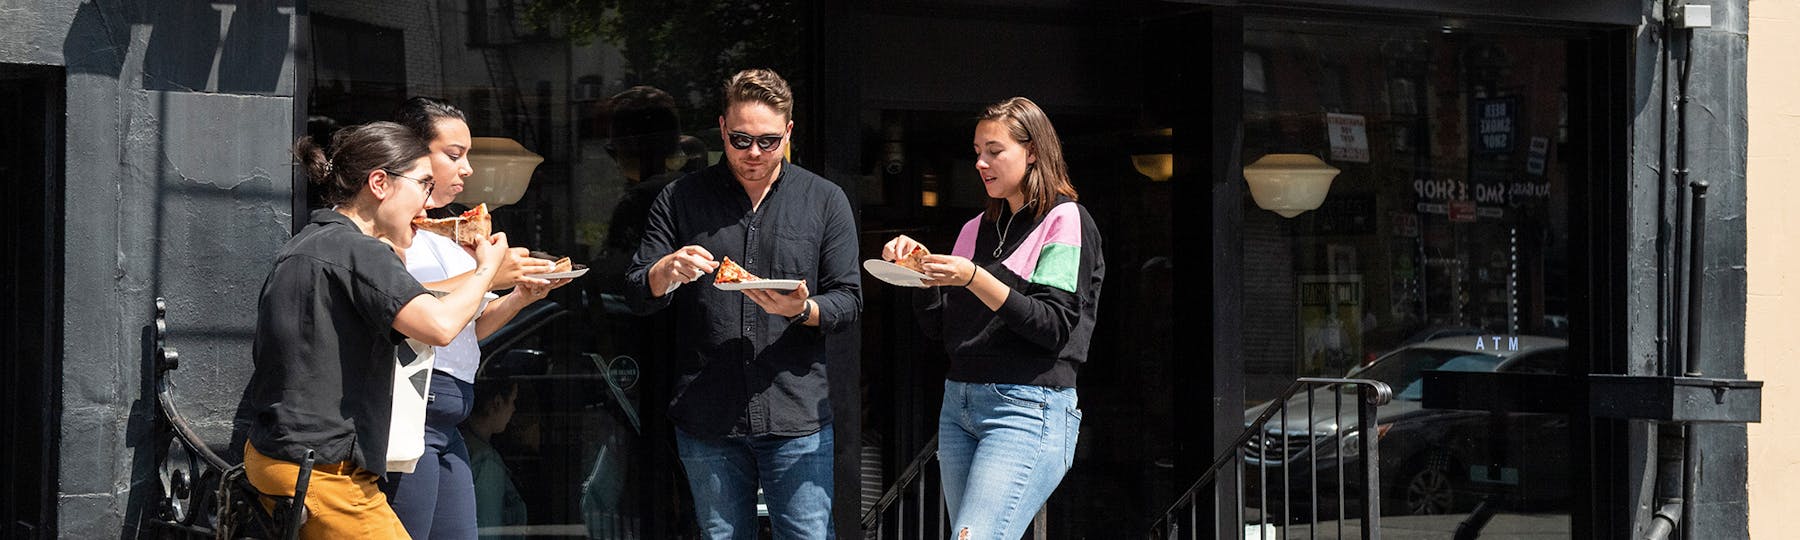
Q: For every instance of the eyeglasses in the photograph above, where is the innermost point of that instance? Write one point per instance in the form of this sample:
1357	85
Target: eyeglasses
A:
427	184
741	141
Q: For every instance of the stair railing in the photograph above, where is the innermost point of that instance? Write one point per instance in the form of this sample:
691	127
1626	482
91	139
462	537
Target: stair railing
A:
912	508
915	500
1284	445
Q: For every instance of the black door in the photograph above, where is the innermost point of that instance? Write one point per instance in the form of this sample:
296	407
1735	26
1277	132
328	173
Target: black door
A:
31	108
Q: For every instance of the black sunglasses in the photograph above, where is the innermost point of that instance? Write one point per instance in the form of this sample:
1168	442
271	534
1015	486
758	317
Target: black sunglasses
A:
741	141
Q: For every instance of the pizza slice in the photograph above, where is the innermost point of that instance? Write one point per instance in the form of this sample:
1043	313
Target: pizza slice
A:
467	229
914	260
730	272
561	264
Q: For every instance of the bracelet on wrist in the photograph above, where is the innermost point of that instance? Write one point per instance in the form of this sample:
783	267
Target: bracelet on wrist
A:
972	272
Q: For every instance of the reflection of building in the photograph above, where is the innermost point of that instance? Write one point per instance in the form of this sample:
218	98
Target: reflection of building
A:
1505	182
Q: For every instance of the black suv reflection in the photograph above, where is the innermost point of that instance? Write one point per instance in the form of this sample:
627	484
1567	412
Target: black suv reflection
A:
1433	461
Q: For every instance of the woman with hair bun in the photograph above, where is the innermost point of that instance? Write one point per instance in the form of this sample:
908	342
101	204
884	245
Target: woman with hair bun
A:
330	315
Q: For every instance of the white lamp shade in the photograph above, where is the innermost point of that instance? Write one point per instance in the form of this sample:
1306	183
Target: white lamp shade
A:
1289	184
502	172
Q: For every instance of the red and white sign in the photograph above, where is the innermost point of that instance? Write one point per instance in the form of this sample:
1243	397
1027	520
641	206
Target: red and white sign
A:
1462	211
1349	137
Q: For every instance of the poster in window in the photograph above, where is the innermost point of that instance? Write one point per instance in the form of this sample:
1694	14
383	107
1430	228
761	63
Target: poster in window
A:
1540	152
1330	322
1495	125
1349	137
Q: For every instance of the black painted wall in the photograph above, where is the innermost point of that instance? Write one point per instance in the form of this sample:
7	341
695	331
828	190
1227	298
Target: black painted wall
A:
177	185
1716	142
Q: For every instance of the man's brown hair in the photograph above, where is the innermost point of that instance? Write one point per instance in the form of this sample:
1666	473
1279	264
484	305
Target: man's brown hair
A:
760	86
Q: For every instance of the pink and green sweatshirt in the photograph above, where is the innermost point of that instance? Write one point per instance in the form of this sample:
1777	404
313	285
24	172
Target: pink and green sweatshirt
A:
1040	334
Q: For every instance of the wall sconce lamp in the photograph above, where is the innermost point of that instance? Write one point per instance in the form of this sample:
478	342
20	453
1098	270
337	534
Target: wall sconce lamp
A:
1289	184
1159	167
928	189
502	172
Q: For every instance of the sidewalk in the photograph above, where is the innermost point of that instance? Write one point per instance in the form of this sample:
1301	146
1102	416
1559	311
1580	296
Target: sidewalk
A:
1519	526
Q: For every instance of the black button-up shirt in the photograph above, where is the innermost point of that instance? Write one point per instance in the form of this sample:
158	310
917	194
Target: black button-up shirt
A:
324	348
744	371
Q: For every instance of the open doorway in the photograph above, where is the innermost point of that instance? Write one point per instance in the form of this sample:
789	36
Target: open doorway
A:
31	161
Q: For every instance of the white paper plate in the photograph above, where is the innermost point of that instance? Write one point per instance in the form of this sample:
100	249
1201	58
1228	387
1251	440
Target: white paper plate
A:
777	284
560	275
894	273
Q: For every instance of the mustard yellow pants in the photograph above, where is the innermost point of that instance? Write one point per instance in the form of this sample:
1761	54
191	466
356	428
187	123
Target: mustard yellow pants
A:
342	500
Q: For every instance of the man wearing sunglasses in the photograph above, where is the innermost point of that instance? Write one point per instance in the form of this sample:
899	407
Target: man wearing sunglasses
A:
751	405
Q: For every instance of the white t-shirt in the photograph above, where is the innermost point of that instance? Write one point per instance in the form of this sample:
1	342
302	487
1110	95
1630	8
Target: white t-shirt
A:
433	257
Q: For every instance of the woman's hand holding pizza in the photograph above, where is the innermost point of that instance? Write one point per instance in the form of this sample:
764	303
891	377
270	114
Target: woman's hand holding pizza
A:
491	252
899	247
948	270
516	269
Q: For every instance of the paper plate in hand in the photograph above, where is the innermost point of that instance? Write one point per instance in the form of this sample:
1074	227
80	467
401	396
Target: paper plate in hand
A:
560	275
776	284
894	273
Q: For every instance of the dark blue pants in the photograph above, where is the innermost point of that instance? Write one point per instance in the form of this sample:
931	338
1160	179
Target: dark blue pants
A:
437	499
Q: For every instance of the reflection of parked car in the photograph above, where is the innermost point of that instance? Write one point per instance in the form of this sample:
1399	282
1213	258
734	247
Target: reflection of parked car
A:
576	448
1432	460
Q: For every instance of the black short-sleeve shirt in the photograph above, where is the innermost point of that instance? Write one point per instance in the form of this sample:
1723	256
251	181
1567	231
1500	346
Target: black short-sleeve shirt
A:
324	349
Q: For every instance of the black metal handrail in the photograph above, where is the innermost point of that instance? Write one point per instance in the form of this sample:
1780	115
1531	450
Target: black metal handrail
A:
871	519
1371	393
886	520
200	494
181	503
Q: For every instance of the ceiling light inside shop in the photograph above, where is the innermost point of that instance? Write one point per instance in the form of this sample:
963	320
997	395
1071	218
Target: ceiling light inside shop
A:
1153	159
503	170
1289	184
1159	167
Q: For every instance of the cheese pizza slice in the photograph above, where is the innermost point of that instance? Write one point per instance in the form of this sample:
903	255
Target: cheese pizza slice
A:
914	260
730	272
467	229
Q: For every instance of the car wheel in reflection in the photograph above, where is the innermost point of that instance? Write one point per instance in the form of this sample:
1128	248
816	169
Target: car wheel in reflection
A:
1427	491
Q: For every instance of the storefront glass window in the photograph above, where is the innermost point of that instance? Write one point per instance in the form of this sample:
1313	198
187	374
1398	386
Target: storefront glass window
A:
617	99
620	98
1442	244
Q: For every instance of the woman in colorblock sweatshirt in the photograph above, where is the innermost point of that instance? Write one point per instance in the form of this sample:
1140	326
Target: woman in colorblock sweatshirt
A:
1014	304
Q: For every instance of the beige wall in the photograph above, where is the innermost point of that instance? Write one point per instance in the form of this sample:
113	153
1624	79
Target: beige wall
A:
1772	354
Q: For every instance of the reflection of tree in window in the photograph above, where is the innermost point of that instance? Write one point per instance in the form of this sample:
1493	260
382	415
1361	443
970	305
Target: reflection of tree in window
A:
684	46
358	70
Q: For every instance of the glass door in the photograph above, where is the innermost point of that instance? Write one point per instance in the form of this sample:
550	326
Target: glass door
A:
1442	241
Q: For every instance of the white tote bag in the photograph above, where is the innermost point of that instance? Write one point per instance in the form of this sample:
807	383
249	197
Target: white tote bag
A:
412	385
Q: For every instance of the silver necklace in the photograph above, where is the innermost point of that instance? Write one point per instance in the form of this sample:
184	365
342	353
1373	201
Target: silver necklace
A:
998	246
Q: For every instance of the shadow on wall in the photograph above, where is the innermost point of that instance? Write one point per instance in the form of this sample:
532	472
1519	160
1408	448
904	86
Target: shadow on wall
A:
234	48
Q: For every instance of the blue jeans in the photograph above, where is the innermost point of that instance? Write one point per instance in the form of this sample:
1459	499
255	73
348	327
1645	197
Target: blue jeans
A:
1002	449
437	499
794	472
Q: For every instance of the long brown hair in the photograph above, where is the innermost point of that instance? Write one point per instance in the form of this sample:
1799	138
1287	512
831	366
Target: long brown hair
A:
1044	180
